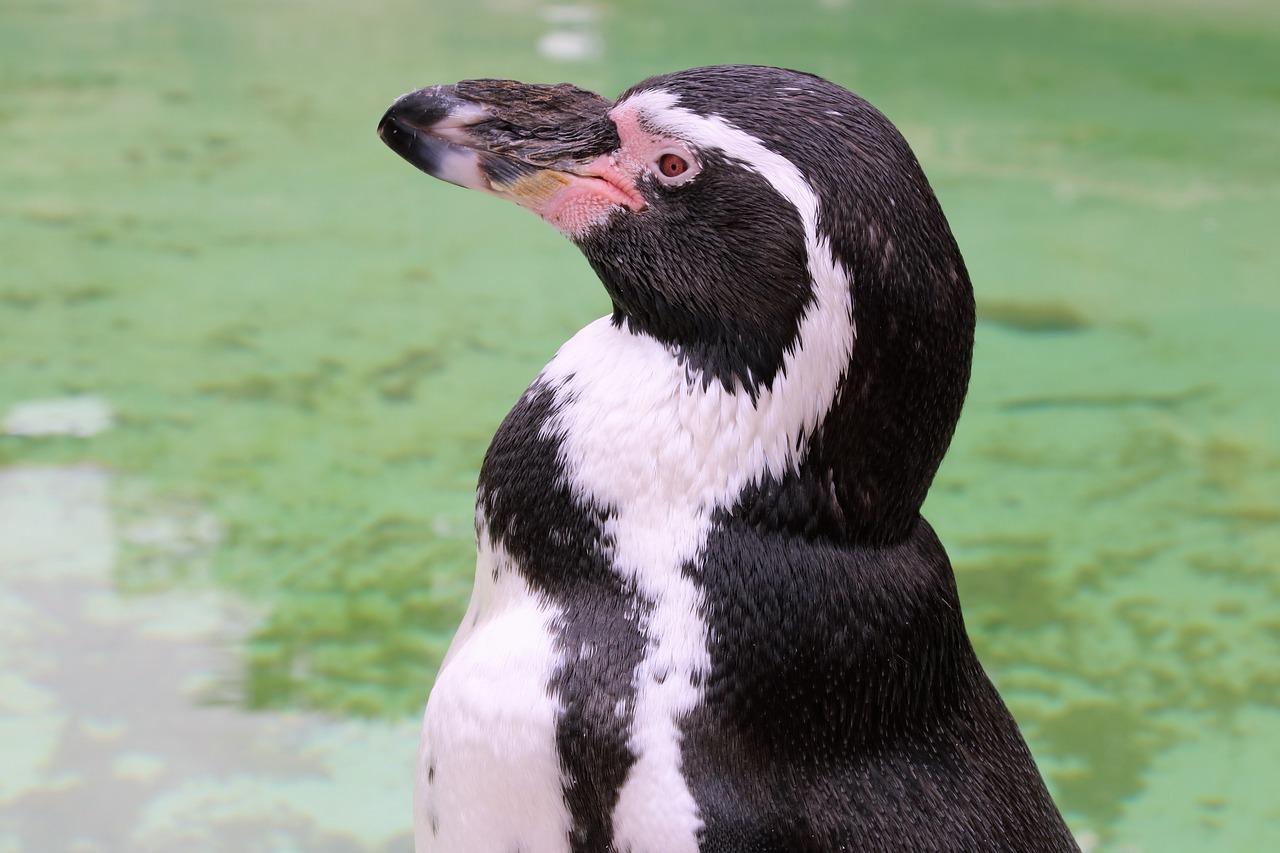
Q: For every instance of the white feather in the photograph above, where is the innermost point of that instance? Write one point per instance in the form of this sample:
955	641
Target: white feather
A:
488	735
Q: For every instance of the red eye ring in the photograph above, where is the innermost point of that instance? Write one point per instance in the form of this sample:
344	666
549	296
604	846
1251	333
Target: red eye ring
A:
672	165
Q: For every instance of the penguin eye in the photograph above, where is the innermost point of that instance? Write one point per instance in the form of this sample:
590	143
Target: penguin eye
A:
674	168
672	165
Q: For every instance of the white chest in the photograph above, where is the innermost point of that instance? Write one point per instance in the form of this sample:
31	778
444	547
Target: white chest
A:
488	774
636	435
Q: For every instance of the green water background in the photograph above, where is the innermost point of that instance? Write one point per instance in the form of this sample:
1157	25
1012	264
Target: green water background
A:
306	346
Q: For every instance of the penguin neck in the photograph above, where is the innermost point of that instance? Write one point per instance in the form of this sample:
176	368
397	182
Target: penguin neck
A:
641	427
842	444
840	438
883	439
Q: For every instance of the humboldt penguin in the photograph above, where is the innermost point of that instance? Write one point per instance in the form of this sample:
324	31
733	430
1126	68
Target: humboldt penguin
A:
707	614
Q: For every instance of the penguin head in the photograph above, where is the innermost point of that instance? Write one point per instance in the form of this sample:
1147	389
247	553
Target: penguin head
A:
715	205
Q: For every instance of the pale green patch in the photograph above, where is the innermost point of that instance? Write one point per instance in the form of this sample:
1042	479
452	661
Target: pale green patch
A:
301	348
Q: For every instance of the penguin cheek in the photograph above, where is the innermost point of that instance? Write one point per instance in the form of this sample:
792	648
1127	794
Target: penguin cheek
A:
576	204
576	212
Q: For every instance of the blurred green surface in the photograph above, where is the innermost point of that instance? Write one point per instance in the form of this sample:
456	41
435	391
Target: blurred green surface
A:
305	346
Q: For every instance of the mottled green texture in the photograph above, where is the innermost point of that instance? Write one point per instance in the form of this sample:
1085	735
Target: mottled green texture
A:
306	346
359	620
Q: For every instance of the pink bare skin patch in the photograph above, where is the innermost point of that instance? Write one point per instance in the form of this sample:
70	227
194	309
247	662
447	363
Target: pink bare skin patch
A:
586	200
644	151
575	202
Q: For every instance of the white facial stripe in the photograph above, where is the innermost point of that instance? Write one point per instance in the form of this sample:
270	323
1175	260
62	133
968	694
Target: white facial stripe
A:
642	436
657	109
826	333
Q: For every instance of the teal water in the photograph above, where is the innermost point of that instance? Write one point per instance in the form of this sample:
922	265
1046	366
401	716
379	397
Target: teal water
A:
250	361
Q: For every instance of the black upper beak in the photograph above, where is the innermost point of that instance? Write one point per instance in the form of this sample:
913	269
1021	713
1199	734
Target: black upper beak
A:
487	134
412	127
548	148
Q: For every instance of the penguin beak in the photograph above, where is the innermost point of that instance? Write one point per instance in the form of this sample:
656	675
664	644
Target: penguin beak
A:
551	149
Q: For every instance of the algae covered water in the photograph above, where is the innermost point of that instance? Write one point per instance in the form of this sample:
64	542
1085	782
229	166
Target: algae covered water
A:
250	362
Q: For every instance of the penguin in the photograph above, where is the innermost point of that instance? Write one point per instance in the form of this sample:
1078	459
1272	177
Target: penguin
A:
708	614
